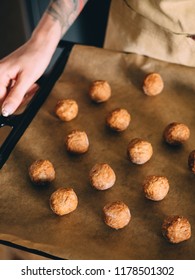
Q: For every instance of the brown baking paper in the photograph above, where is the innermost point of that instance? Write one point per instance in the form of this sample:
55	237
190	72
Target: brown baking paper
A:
25	216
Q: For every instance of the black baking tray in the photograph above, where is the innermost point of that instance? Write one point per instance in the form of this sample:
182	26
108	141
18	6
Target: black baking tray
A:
19	123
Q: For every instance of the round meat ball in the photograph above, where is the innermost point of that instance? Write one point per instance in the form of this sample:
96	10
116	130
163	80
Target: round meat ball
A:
155	187
116	214
176	133
176	229
66	109
153	84
191	161
139	151
63	201
102	176
42	172
118	119
100	91
77	142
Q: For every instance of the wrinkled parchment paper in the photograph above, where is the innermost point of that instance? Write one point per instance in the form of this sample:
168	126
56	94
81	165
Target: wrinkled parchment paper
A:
25	215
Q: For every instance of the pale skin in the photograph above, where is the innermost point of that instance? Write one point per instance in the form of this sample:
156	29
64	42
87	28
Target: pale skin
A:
21	69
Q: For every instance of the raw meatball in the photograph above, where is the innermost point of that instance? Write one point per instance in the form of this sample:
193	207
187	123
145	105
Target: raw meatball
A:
153	84
191	161
100	91
118	119
77	142
176	133
63	201
176	229
102	176
41	172
116	214
155	187
66	109
139	151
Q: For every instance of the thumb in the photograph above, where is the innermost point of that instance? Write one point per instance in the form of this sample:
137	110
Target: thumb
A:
14	97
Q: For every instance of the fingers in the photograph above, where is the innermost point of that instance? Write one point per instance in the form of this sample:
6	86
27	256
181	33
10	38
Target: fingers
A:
4	85
30	94
26	99
32	90
7	81
3	90
14	97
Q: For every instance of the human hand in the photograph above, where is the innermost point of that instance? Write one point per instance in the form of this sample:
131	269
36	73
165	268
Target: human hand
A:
18	73
22	68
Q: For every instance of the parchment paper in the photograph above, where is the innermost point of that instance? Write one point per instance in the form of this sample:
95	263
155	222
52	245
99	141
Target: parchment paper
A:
25	215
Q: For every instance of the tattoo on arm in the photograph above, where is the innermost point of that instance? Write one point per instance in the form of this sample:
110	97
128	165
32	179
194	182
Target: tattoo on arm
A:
65	11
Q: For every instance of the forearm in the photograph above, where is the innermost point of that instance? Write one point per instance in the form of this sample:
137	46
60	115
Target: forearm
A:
26	65
56	20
